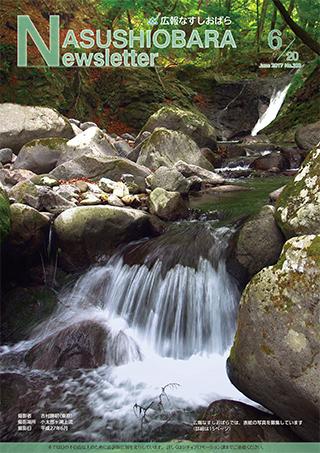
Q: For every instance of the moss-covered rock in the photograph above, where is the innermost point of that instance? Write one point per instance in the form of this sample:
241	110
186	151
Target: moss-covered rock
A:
276	347
298	206
41	155
23	309
166	147
4	215
85	234
167	205
195	125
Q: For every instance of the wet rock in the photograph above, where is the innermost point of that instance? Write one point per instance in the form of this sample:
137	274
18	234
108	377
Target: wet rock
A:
276	347
82	345
167	205
271	161
214	158
241	431
86	233
41	155
23	309
298	207
4	215
294	156
87	125
208	177
19	124
111	167
28	229
168	179
308	136
194	125
6	155
231	150
92	141
257	244
165	147
10	178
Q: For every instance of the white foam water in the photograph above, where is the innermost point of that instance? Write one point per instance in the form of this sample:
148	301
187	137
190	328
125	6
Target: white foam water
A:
272	111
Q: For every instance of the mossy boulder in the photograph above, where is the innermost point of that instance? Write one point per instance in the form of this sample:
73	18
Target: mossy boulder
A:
277	343
86	234
256	245
195	125
298	206
23	309
165	147
19	124
308	136
28	229
4	215
167	205
41	155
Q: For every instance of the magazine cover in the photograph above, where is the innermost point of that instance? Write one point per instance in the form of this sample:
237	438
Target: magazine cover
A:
160	225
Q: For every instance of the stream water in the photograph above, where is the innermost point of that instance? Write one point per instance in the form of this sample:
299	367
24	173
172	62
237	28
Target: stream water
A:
171	309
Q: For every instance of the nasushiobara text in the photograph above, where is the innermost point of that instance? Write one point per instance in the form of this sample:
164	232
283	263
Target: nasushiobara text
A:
73	50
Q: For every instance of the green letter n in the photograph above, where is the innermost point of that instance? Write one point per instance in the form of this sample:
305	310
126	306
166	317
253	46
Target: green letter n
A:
50	55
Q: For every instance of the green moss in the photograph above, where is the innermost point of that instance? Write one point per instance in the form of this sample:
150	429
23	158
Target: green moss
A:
5	221
51	142
314	250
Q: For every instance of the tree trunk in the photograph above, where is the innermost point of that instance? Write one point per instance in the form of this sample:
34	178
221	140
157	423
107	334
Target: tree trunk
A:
273	19
307	39
263	16
290	9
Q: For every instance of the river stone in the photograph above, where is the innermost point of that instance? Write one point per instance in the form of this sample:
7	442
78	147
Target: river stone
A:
6	155
273	196
120	190
270	162
308	137
82	345
92	141
167	205
275	355
195	125
165	147
41	155
23	309
10	178
4	215
228	410
298	206
168	179
208	177
19	124
86	233
111	167
257	244
28	229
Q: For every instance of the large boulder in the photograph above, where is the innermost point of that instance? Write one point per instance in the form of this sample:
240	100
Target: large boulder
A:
165	147
273	161
90	166
167	205
206	176
298	206
28	229
168	179
41	155
19	124
92	141
195	125
86	233
257	244
4	215
275	356
242	423
82	345
308	136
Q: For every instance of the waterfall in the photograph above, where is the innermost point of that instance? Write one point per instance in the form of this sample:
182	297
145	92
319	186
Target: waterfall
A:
272	111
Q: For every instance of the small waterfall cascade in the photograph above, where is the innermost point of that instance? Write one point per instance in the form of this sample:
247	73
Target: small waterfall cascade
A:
272	111
179	298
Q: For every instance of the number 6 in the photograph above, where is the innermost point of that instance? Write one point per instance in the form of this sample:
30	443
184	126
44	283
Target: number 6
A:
275	39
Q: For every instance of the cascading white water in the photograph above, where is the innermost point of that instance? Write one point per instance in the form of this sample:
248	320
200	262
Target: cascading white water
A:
272	111
171	308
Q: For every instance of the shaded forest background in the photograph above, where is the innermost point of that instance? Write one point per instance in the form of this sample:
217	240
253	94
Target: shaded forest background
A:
123	98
